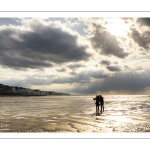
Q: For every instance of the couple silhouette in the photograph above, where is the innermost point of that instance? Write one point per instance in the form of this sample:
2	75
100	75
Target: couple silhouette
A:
99	102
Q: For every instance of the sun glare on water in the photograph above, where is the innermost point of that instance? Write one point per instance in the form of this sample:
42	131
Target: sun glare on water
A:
117	27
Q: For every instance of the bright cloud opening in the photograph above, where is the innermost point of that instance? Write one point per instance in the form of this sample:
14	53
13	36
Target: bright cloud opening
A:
117	27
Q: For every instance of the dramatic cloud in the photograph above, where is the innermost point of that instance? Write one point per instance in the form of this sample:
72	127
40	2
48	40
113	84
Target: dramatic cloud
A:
113	68
130	83
76	55
144	21
142	39
40	47
107	43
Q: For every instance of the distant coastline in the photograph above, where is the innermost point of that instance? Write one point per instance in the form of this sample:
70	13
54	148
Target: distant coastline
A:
6	90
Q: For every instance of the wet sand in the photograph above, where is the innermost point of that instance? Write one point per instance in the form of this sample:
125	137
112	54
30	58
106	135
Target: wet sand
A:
74	114
71	123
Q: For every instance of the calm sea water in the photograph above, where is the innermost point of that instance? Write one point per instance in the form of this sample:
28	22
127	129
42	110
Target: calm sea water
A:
118	108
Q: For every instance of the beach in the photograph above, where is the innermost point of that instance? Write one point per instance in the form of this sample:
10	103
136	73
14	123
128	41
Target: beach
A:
62	114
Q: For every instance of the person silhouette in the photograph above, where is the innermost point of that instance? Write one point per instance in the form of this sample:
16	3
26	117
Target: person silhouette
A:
97	104
101	103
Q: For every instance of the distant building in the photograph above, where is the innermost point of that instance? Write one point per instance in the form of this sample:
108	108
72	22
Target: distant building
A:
37	92
15	90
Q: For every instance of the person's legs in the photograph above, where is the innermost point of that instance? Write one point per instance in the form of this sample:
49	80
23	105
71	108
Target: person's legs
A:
101	108
97	108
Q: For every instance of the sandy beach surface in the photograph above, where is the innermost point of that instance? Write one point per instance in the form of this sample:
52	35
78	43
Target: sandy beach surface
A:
74	114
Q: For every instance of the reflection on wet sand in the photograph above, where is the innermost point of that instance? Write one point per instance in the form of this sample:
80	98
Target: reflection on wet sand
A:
75	114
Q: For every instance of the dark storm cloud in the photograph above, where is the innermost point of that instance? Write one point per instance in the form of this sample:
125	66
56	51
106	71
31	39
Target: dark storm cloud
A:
40	47
20	62
142	39
113	68
106	42
130	83
105	62
144	21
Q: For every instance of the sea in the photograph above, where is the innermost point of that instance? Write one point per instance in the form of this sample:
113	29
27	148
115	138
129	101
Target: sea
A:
122	113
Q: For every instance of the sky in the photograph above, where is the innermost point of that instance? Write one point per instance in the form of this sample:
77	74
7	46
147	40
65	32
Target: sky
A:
88	55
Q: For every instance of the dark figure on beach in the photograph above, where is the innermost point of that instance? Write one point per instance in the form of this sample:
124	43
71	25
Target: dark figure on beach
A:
101	99
97	103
